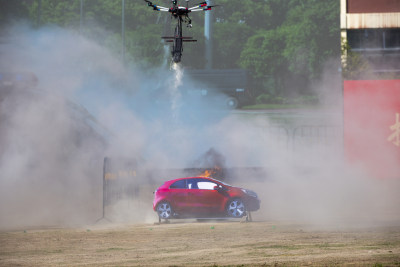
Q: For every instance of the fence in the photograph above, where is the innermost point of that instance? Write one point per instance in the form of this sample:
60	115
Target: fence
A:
126	178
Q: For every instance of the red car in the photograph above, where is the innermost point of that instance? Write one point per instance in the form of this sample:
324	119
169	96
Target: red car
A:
202	197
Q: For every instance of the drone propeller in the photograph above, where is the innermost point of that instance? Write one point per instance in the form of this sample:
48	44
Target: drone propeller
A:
209	7
148	3
155	7
202	4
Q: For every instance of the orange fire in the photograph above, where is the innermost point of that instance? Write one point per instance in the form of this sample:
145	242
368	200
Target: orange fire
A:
206	173
209	173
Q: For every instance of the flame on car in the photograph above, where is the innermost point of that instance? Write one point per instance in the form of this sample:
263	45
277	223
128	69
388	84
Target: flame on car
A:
210	172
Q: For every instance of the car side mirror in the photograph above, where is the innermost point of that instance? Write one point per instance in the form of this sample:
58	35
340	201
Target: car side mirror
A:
219	188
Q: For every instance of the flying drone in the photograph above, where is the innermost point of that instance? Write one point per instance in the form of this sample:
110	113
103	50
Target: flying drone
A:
182	15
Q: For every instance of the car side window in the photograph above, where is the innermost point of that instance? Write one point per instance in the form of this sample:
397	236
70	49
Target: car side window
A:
192	184
181	184
205	184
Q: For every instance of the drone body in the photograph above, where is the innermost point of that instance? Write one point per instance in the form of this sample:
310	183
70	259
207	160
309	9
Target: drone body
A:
182	15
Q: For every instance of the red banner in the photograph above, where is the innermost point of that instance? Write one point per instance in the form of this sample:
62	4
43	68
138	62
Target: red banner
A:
372	125
373	6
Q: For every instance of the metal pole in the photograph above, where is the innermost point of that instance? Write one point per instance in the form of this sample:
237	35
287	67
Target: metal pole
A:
208	33
104	187
105	197
123	31
81	18
39	13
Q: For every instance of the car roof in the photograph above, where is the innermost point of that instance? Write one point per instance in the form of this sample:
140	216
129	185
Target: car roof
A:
169	182
194	177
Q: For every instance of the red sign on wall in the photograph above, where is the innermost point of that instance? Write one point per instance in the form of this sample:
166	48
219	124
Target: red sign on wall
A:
373	6
372	125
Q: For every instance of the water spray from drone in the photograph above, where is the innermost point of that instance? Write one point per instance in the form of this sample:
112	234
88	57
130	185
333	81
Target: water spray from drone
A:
174	89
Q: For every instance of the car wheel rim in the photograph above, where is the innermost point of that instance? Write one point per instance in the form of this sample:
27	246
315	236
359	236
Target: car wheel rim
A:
236	208
164	210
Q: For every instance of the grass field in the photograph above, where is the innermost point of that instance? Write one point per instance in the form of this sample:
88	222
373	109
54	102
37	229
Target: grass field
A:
183	243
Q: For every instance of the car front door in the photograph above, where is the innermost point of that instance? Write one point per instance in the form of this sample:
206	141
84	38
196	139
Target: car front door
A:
202	198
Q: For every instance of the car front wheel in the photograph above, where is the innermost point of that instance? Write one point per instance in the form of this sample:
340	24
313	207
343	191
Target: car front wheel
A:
232	102
164	210
236	208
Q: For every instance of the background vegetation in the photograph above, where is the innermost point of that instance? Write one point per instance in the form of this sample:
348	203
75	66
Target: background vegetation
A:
283	43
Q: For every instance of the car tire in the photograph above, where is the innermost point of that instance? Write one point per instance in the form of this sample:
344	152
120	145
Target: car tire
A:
231	102
236	208
164	210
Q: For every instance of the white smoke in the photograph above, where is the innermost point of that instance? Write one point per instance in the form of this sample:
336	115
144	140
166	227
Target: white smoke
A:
52	150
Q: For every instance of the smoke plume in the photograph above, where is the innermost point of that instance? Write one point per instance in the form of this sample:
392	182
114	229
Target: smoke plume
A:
88	105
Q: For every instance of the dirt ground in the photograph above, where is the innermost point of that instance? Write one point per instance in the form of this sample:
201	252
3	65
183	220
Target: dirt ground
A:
192	243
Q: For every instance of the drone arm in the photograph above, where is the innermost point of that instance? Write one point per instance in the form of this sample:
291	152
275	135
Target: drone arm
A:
163	9
201	7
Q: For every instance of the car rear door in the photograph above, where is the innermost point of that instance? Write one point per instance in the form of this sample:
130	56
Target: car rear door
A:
178	195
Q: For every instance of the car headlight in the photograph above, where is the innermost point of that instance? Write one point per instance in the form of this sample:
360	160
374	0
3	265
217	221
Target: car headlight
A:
250	193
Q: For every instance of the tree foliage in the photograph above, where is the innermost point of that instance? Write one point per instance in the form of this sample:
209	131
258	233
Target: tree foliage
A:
278	41
297	48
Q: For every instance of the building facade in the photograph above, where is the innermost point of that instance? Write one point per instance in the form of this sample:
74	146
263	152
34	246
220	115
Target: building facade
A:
370	31
372	28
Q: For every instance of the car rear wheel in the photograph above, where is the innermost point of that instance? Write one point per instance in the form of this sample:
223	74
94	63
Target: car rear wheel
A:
164	210
236	208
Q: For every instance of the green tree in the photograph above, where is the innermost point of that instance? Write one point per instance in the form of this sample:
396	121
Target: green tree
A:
230	40
262	55
312	36
235	22
287	58
102	22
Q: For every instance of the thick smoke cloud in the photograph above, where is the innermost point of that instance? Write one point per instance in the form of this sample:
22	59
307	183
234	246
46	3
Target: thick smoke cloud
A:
88	105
